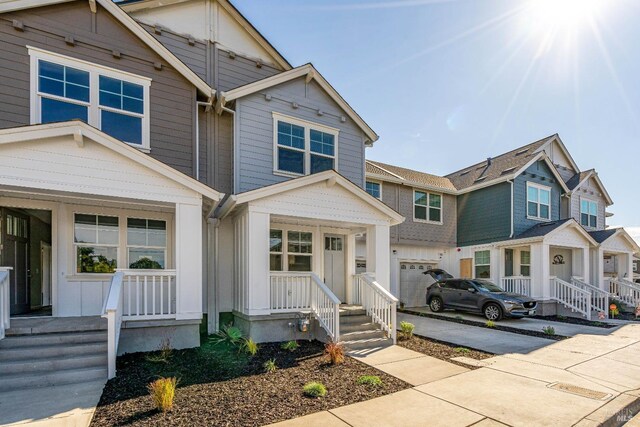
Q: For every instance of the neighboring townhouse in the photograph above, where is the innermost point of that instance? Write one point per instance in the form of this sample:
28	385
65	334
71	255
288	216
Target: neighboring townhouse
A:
428	234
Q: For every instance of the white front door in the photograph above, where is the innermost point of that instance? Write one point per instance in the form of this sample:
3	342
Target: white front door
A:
334	273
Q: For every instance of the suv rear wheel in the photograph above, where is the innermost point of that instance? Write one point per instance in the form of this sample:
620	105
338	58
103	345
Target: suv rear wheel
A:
436	304
492	311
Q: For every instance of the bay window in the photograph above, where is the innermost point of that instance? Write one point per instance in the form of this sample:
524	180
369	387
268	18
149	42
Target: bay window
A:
538	202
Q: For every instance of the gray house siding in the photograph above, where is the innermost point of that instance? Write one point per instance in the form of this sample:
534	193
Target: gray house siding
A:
484	215
172	97
239	71
255	145
589	190
538	173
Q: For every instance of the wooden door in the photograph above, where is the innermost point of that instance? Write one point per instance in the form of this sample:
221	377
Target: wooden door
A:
465	268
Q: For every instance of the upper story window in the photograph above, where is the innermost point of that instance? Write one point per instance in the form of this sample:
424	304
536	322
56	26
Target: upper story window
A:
301	147
427	207
589	213
374	188
538	201
63	88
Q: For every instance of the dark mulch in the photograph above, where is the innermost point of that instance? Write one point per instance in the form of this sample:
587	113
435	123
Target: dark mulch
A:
443	350
217	386
497	326
577	321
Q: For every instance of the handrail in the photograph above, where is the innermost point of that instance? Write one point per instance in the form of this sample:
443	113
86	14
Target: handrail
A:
517	284
377	302
599	298
5	304
625	290
112	311
326	308
571	296
149	294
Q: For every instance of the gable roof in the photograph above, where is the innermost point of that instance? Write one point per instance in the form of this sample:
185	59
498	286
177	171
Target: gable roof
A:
578	179
556	138
129	23
541	231
310	73
409	177
602	236
80	130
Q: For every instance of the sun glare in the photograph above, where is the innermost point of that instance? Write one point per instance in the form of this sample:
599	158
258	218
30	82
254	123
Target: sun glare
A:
559	15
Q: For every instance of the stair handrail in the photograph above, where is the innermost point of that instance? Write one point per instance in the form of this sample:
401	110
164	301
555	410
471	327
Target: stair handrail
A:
5	303
571	296
599	298
625	290
378	303
325	306
112	311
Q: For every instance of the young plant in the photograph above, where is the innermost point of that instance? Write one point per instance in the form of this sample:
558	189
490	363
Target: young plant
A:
370	380
613	309
164	352
162	392
490	324
462	350
249	346
458	317
406	329
290	346
314	389
549	330
229	334
270	366
334	352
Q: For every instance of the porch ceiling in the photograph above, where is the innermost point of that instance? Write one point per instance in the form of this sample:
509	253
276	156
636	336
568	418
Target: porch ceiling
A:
308	222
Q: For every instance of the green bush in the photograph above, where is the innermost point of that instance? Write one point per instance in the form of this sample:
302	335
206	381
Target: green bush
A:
406	329
164	353
549	330
370	380
314	389
462	350
249	346
229	334
490	324
290	345
270	366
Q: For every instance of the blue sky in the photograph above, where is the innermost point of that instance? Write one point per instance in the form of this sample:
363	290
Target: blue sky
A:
448	83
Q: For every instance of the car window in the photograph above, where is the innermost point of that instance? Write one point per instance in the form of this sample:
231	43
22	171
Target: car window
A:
485	285
453	284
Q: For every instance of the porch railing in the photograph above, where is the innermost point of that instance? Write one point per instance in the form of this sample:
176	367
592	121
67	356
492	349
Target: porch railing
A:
625	290
5	304
149	294
517	284
599	298
571	296
378	303
292	292
112	311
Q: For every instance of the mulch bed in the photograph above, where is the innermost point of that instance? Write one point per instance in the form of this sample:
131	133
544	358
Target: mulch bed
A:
218	386
443	350
578	321
497	326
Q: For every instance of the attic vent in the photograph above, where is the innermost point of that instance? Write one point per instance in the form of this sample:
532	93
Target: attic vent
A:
465	172
482	178
509	170
524	150
482	166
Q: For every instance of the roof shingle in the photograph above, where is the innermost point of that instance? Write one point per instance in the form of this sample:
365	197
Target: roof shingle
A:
409	175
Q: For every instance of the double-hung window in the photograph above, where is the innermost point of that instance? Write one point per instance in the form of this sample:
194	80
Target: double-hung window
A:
482	264
290	250
146	243
64	88
525	263
373	188
96	240
302	147
538	202
588	213
427	206
275	250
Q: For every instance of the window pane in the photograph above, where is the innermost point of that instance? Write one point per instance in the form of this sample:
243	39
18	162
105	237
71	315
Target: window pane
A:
584	206
133	105
544	211
584	219
525	270
482	257
81	93
525	257
420	198
53	87
51	70
434	215
373	188
532	194
145	258
593	208
123	127
59	111
85	228
435	200
290	135
132	90
110	100
122	95
420	212
594	221
483	272
545	197
532	209
299	263
142	232
157	233
108	231
275	241
321	142
63	81
299	242
320	164
96	259
275	262
290	161
77	77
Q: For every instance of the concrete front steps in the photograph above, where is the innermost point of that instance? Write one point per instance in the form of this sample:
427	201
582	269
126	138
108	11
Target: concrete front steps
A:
358	333
52	358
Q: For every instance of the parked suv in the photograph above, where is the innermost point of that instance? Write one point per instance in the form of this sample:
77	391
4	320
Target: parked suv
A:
479	296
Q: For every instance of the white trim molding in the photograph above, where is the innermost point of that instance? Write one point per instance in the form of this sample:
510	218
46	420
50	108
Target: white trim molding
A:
539	188
428	207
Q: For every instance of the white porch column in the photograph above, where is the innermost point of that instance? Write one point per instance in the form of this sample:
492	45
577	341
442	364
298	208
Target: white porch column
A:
378	254
626	266
350	268
257	285
188	261
540	287
586	274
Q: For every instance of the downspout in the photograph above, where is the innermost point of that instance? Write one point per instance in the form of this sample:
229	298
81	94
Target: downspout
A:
213	307
512	227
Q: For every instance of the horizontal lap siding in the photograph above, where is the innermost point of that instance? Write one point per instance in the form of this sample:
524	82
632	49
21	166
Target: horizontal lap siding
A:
484	215
172	96
589	190
239	71
415	232
255	133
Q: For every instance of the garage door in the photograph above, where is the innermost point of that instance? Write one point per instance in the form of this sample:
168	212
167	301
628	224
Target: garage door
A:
413	287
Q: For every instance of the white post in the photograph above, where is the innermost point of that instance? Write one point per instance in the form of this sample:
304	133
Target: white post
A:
586	274
111	344
258	286
378	256
189	261
350	269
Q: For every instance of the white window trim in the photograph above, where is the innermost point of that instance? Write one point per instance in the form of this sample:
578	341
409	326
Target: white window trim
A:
586	199
77	245
429	193
286	228
481	265
307	125
94	108
374	182
166	241
538	187
525	265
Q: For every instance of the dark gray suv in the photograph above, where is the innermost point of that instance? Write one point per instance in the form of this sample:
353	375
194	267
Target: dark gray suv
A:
479	296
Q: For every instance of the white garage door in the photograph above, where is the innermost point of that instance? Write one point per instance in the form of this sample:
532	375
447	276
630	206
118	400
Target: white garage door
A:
413	287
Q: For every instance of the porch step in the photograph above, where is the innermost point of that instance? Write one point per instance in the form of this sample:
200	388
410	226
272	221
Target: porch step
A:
369	344
49	351
53	364
54	378
358	333
17	341
348	311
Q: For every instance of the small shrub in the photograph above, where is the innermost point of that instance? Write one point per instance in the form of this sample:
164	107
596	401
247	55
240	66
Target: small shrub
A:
458	317
229	334
162	392
562	317
164	353
290	345
250	347
370	380
549	330
462	350
613	309
270	366
490	324
406	329
314	389
334	352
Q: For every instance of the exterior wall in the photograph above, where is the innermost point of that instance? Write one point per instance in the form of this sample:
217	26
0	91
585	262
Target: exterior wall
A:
239	71
538	173
589	190
484	215
172	97
560	160
254	166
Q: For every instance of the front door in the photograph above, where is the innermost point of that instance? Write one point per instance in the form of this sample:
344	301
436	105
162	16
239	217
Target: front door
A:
508	262
15	254
334	273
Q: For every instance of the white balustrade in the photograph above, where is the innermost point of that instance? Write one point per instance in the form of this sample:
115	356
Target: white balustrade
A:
599	298
112	310
377	302
5	304
149	294
571	296
625	290
517	284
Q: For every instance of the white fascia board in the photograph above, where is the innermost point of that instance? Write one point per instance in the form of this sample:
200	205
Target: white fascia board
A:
593	174
625	235
78	129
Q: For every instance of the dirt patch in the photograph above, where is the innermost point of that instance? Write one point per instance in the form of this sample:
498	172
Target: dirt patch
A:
218	386
443	350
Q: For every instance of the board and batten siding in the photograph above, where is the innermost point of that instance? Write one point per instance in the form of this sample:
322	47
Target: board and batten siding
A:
484	215
172	97
591	191
254	126
538	173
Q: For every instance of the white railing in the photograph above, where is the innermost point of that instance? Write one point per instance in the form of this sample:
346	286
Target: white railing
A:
571	296
517	284
149	294
5	304
112	310
599	298
628	292
293	292
378	303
